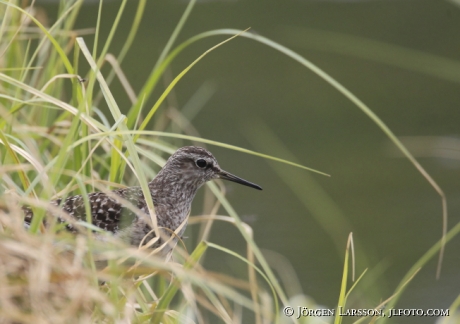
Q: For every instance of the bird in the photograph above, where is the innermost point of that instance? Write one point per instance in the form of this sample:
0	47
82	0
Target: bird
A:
172	191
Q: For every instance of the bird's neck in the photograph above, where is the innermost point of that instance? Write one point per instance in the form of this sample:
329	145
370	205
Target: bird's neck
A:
174	191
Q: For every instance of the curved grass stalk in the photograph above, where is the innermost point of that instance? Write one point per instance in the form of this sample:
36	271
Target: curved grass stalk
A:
12	150
174	286
254	267
158	68
239	224
389	299
193	138
344	91
365	109
91	122
343	288
177	79
373	50
128	140
249	262
48	35
420	263
107	43
72	11
127	44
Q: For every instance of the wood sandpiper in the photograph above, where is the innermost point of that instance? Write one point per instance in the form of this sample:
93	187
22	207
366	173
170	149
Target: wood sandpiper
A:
172	192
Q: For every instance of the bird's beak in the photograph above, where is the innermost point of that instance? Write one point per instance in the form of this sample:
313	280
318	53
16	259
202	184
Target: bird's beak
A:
228	176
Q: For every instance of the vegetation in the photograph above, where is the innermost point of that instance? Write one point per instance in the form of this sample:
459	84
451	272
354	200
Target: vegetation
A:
62	133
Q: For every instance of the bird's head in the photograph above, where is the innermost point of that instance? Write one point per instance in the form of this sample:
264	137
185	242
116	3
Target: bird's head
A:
195	165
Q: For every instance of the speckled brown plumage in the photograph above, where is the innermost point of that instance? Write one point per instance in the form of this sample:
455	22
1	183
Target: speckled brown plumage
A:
172	191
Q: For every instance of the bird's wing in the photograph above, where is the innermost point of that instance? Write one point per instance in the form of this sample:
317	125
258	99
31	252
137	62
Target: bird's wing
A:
107	212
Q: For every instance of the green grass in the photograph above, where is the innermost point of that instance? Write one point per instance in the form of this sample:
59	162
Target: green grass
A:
57	143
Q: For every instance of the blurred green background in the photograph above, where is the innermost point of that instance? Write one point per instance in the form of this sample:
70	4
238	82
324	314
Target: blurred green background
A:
402	58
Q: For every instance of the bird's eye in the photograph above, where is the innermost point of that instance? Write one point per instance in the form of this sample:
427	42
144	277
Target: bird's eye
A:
201	163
